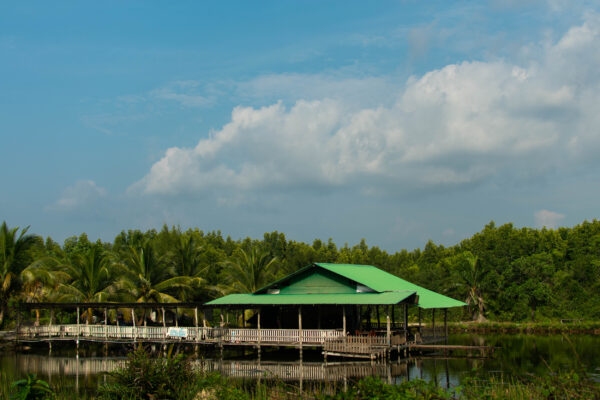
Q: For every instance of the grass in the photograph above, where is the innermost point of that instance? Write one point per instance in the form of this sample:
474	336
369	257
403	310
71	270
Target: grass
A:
545	327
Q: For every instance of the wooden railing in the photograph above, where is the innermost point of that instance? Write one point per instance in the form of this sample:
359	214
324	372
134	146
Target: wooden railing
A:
113	332
371	345
309	336
187	334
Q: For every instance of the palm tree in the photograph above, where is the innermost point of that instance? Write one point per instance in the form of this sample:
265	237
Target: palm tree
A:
40	282
15	255
92	278
186	257
186	260
249	271
149	277
471	274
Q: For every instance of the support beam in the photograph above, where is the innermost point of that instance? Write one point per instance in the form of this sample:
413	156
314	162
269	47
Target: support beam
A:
222	323
388	331
176	317
78	324
419	319
433	322
133	324
406	322
105	322
163	317
196	323
258	326
344	319
393	316
446	325
300	335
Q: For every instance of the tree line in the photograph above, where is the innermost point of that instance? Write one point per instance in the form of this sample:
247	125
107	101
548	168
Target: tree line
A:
501	272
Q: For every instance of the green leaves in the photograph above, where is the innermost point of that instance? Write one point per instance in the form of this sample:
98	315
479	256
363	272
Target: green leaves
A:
31	388
247	272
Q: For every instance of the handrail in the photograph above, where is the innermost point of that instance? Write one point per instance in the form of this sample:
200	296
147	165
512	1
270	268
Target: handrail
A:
188	334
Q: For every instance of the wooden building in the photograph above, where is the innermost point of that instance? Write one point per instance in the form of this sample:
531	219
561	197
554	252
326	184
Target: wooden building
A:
344	309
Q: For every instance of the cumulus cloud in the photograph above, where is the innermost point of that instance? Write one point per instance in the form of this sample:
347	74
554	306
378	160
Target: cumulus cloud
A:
452	127
82	193
548	219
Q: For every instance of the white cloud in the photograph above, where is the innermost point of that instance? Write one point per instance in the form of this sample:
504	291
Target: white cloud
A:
548	219
455	126
82	193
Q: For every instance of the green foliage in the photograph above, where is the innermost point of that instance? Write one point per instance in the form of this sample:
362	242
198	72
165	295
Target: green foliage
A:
376	389
505	273
144	377
31	388
248	271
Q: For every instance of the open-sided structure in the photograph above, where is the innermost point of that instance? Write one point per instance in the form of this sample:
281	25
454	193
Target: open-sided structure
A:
340	297
332	306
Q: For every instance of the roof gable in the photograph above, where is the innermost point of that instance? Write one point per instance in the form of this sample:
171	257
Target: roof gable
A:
382	281
379	281
318	281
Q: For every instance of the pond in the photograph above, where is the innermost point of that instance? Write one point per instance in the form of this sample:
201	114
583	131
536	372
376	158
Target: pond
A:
516	355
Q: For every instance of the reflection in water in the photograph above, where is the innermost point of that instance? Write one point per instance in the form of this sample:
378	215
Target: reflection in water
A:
518	354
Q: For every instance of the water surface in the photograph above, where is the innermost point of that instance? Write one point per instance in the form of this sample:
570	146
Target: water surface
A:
516	355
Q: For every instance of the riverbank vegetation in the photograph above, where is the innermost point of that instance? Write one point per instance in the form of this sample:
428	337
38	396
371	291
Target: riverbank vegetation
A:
504	273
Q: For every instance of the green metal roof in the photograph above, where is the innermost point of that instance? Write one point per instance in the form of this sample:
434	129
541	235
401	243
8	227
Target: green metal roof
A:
382	281
387	298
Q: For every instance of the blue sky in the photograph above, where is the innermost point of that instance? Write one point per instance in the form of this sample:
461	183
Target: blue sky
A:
396	121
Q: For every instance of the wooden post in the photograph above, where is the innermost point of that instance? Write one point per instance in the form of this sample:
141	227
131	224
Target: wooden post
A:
406	322
377	311
105	322
344	319
77	324
393	316
388	331
222	318
176	317
133	324
300	336
433	322
446	325
196	323
163	317
419	319
258	326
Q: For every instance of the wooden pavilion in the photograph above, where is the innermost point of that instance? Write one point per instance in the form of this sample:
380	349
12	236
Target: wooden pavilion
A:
328	306
335	303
